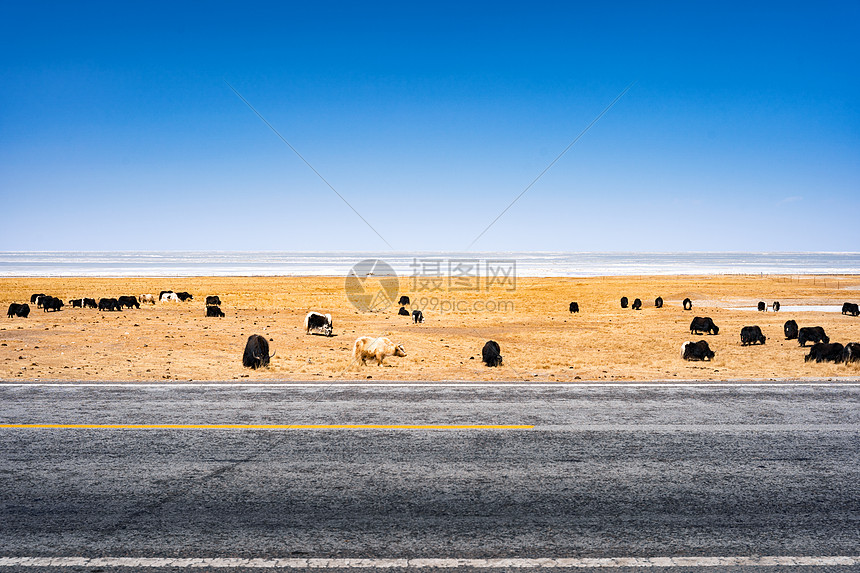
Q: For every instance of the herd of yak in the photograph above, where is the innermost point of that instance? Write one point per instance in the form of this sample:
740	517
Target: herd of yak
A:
52	303
256	354
822	350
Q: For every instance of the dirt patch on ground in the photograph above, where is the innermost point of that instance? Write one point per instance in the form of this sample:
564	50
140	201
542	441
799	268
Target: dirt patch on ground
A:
540	340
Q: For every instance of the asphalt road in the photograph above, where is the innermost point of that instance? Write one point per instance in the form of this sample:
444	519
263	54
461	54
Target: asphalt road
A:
605	472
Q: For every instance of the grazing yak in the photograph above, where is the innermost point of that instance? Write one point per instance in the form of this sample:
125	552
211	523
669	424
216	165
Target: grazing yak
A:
183	296
823	352
367	347
752	335
146	298
417	317
574	307
51	303
77	303
790	329
688	304
491	354
318	323
851	308
19	310
168	296
90	303
658	302
762	307
128	302
776	306
215	311
213	300
403	311
109	304
850	354
623	302
700	325
696	351
256	353
35	297
811	334
637	304
40	300
404	300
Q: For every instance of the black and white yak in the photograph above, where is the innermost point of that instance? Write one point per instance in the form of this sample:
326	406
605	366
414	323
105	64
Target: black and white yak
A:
696	351
318	323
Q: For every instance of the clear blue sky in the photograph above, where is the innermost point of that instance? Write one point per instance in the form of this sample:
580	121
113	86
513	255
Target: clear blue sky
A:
118	132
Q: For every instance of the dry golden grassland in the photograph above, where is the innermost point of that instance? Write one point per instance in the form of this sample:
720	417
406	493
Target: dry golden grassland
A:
539	338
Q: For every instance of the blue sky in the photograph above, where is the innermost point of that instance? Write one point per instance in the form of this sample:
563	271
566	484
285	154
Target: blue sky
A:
741	133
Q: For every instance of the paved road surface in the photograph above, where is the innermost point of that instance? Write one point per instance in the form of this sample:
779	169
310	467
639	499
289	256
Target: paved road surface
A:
605	472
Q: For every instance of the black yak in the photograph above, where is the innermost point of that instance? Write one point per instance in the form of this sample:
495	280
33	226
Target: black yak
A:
20	310
256	353
705	324
109	304
790	329
128	302
752	335
825	353
812	334
491	353
214	311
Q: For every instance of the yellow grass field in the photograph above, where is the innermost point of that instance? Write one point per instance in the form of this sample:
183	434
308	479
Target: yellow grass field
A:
540	340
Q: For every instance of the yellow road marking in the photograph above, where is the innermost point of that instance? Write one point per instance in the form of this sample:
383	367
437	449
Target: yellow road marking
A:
266	426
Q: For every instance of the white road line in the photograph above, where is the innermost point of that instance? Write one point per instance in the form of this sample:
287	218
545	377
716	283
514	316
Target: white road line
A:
699	428
438	563
470	385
